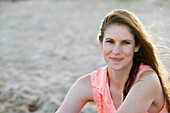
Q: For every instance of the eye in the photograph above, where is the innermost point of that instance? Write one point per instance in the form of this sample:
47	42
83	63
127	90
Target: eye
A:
125	43
110	41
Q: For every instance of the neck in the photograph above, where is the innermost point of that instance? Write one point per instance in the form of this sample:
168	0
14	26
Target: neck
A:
119	78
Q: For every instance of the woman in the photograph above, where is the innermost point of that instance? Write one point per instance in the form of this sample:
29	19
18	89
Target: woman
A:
133	81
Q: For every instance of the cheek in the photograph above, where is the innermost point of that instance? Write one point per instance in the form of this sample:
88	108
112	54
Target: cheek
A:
106	49
128	51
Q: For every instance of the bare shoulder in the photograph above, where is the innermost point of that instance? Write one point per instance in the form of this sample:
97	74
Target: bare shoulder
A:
152	84
85	83
145	92
151	80
78	95
86	79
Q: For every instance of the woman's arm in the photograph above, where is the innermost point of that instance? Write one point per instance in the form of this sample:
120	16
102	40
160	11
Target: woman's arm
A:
142	94
79	94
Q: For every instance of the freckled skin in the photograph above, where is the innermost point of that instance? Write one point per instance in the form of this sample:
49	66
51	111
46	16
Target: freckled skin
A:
118	47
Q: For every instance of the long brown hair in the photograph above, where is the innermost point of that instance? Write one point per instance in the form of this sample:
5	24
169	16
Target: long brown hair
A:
146	53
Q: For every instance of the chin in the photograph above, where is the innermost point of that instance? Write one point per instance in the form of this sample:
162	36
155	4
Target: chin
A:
115	67
119	66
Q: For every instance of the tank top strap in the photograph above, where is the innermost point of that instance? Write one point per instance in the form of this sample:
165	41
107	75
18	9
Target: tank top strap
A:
142	69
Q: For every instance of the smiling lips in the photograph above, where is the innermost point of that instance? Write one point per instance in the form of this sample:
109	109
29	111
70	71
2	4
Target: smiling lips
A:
116	59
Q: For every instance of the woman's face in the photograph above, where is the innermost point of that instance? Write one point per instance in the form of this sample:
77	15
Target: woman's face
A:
118	47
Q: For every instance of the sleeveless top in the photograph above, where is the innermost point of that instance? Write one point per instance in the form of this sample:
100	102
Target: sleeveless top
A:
101	90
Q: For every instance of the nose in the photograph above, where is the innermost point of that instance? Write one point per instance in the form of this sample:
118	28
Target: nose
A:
116	49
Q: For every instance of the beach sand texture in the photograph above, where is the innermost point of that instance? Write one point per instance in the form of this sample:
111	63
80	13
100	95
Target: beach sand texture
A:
46	45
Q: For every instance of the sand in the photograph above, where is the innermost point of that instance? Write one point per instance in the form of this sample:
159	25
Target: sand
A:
46	45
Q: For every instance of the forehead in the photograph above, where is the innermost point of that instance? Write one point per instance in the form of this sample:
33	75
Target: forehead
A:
118	31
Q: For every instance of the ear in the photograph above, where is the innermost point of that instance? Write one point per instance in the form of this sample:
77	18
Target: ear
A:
137	48
101	45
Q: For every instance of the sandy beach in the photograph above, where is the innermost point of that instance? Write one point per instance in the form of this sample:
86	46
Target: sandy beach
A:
46	45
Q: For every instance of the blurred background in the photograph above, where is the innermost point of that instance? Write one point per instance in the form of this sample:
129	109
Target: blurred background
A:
45	45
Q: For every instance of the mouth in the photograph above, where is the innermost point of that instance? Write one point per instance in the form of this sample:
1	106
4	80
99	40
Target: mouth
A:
116	59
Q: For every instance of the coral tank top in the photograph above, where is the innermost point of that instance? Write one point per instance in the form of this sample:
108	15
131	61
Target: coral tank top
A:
101	90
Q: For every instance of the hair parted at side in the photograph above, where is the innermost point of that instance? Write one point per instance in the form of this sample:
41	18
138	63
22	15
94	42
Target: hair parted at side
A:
146	53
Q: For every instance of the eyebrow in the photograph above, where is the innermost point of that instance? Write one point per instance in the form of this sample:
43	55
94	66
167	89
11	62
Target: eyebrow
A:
127	40
122	40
